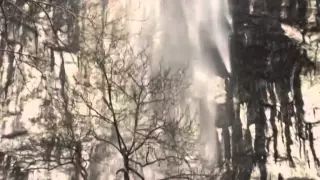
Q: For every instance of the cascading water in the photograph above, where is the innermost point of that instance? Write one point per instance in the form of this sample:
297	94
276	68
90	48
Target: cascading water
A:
193	33
214	27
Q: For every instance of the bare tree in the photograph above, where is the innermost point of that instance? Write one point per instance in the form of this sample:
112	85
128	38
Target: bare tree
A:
136	113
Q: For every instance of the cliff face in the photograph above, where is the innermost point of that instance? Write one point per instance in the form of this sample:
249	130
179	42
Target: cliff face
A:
38	41
275	134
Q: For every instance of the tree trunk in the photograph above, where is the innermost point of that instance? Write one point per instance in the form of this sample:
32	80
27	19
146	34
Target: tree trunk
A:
126	167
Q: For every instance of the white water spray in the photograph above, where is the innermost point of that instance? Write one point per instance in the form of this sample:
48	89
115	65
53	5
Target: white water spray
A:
193	33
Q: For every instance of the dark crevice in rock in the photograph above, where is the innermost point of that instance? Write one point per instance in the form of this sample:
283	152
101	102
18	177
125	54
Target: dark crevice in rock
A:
227	145
311	143
273	115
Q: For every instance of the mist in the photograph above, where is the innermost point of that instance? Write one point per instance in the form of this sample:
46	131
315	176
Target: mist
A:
192	34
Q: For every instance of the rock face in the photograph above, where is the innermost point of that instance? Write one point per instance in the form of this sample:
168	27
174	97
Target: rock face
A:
48	130
32	68
266	79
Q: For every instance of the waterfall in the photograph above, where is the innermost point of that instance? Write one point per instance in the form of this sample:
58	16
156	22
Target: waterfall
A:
194	34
